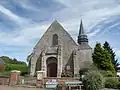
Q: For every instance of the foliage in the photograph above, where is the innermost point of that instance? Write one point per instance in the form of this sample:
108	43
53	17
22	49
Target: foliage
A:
84	70
6	73
93	80
14	64
102	59
119	85
112	82
66	74
114	61
107	73
8	60
22	68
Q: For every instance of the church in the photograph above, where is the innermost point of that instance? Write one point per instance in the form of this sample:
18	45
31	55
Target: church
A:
57	53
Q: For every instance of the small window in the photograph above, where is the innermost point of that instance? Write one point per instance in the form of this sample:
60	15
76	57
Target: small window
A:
55	39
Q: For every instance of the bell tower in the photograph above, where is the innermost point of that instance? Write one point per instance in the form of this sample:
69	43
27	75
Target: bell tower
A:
82	37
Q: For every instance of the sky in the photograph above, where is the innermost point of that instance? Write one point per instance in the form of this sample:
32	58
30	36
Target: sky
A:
23	22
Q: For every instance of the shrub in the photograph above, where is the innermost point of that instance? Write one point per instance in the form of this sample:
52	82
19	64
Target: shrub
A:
93	80
107	73
66	74
22	68
119	85
5	73
112	82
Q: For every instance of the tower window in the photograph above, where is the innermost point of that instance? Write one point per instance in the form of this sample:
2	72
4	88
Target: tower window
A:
55	39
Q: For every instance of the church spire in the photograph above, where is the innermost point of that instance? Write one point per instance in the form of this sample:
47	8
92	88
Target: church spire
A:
81	30
82	37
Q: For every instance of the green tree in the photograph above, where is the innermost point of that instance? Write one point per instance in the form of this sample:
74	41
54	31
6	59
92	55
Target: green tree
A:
114	61
102	59
8	60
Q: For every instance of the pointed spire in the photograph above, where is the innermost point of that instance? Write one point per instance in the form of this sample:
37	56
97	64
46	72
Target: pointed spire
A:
82	37
81	30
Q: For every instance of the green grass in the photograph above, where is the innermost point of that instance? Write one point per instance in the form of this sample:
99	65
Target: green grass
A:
19	67
10	67
5	73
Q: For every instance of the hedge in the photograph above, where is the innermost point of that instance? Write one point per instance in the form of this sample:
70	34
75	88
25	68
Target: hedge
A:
112	82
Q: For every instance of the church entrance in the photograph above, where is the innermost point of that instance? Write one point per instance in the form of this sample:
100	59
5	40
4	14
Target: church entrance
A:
52	67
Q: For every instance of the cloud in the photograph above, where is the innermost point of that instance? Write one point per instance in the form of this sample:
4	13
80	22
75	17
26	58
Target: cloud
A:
95	12
34	17
23	37
11	15
118	53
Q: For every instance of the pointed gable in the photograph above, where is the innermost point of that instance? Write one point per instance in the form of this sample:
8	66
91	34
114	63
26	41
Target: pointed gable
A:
54	29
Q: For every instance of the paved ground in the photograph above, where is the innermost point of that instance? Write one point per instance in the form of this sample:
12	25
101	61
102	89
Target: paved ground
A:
18	88
22	88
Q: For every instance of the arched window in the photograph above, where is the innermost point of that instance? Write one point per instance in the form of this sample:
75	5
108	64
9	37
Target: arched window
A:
55	39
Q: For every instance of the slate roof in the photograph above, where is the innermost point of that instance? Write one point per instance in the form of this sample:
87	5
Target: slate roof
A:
81	30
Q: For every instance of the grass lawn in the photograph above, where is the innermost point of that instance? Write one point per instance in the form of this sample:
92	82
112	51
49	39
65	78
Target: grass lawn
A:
5	73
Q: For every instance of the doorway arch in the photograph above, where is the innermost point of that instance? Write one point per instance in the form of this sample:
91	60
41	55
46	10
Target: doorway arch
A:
51	67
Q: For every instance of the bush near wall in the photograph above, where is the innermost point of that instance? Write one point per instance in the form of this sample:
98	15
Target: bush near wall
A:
67	74
107	73
23	68
5	73
93	80
112	82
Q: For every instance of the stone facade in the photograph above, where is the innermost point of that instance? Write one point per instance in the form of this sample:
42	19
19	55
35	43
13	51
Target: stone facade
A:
57	52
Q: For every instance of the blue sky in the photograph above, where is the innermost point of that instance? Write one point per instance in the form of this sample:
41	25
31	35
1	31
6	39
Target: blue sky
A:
23	22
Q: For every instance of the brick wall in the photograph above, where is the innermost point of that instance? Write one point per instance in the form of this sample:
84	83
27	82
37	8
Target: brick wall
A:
1	67
4	80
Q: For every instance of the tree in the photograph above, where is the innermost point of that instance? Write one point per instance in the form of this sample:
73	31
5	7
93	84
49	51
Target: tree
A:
8	60
102	59
114	61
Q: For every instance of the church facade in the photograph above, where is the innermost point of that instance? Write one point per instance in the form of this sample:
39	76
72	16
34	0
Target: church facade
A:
57	53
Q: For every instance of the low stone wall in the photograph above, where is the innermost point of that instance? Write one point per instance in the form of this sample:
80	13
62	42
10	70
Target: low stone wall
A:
28	81
4	80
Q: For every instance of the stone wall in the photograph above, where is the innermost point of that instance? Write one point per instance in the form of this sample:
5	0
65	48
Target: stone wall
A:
27	80
66	43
